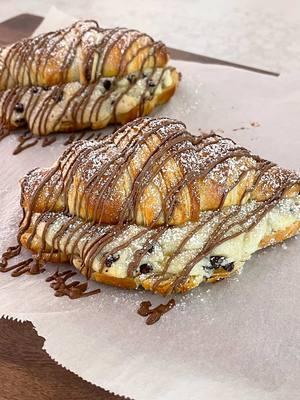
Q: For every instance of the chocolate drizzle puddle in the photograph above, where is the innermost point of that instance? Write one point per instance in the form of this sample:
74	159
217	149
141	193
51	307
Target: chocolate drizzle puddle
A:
35	265
11	252
154	314
25	141
32	265
28	140
73	290
70	139
47	141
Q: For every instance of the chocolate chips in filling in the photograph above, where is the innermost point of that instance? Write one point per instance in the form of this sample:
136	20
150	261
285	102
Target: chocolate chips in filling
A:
82	106
176	143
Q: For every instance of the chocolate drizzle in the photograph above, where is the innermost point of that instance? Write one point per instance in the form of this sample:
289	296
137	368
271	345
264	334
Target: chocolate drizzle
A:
76	107
48	141
73	290
27	62
153	315
35	265
32	266
26	141
11	252
158	147
4	131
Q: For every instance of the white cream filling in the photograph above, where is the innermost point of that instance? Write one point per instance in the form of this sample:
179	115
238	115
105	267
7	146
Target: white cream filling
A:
237	250
161	77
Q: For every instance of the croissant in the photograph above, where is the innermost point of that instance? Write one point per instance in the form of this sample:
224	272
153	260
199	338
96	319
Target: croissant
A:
74	106
82	52
153	206
82	77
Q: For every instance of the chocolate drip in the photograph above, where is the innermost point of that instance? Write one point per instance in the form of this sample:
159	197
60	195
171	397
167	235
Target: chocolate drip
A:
70	139
11	252
25	141
73	290
48	141
153	315
34	266
31	266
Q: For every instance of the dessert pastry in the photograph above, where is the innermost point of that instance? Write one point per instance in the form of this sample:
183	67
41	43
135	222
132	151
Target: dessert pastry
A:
82	52
82	77
74	106
153	206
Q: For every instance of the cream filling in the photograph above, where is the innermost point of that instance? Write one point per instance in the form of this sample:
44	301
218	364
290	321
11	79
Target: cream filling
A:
87	115
237	249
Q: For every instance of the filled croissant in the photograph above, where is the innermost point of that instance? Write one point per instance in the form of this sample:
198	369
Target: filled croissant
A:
74	106
82	52
82	77
153	206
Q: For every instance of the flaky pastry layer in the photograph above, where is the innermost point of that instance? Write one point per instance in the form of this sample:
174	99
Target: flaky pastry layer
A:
82	52
153	172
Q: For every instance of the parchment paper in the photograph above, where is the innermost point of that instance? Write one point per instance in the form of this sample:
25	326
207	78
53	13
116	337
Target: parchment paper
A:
238	339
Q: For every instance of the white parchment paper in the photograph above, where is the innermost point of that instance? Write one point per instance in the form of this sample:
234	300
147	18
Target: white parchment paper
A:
238	339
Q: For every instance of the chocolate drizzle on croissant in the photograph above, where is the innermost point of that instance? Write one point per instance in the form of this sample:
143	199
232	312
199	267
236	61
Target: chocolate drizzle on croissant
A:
108	207
73	106
147	180
82	77
82	52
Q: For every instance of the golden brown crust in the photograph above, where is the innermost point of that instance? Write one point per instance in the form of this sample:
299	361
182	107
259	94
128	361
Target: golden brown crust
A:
81	52
36	245
237	181
136	57
149	105
280	236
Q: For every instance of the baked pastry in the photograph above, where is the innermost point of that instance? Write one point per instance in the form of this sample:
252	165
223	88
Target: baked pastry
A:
82	77
156	207
82	52
74	106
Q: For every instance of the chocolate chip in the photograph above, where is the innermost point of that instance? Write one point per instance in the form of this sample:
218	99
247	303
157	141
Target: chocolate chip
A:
58	96
216	261
151	83
151	249
107	84
35	89
20	121
146	268
228	267
46	88
111	259
131	78
19	108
